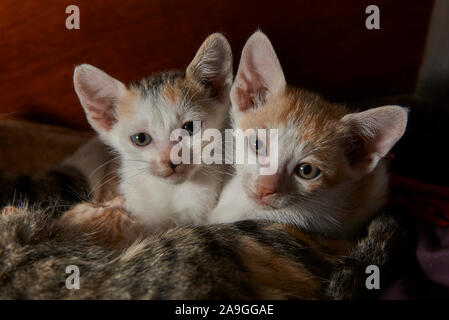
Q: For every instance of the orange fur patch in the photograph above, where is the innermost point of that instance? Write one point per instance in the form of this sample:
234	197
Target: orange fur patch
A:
110	223
276	275
171	93
125	107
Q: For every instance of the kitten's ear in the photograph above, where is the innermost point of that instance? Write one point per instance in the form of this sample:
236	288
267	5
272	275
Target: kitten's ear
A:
212	65
259	73
373	133
99	94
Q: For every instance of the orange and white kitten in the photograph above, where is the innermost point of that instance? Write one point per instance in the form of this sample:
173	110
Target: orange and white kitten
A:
331	176
137	121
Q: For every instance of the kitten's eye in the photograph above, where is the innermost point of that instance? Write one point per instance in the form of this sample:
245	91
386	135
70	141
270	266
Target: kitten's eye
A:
257	145
307	171
192	127
141	139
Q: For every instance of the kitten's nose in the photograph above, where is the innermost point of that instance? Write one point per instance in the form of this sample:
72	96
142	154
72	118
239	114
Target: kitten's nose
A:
172	165
263	191
267	185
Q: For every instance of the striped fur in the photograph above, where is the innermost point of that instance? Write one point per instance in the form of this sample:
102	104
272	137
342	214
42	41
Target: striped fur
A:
220	261
242	260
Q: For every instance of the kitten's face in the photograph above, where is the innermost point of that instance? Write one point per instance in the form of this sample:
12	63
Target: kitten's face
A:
150	113
326	156
138	121
311	157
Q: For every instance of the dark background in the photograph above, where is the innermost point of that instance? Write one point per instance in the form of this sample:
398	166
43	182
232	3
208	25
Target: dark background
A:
323	45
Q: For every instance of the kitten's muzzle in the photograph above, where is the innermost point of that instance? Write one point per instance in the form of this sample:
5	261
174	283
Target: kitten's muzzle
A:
263	197
172	165
170	172
168	168
164	169
265	190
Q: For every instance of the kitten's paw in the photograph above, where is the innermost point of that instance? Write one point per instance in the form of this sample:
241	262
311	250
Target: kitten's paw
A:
82	213
118	201
110	222
90	213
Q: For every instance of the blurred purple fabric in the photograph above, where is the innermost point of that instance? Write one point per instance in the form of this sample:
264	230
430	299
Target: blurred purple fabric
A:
428	276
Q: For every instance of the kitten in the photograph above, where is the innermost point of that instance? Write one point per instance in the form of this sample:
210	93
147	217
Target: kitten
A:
331	176
137	121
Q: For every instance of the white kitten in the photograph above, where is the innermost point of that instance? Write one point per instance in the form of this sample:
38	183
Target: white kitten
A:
137	121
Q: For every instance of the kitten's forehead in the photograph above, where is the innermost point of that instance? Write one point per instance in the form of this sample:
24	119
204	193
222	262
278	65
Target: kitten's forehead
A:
303	115
308	126
165	97
155	84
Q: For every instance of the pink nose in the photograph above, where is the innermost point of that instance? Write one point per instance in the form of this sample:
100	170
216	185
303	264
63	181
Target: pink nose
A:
267	185
170	165
263	191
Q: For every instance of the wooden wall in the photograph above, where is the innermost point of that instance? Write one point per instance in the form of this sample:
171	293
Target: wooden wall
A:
322	45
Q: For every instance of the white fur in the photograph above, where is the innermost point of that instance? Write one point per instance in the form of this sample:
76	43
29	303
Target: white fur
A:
155	200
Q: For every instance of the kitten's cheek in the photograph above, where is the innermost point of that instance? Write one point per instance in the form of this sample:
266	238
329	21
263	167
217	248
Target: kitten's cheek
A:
187	170
159	170
311	186
248	184
153	167
247	181
247	178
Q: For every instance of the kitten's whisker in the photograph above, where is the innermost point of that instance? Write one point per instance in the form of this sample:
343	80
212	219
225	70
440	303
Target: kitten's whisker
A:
321	203
138	173
80	196
101	184
102	165
135	160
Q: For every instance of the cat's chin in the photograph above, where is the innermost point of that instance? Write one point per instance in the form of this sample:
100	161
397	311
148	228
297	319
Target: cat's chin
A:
176	178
